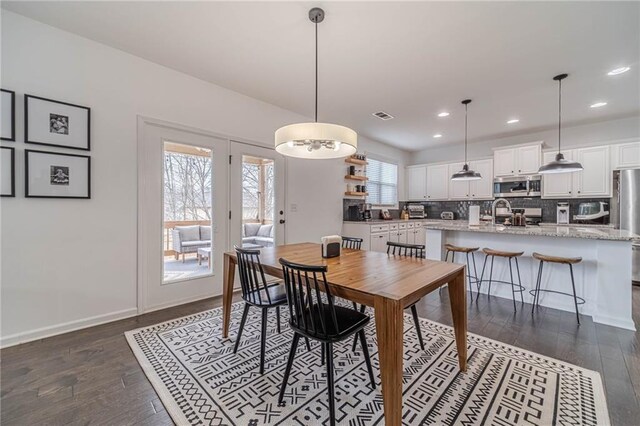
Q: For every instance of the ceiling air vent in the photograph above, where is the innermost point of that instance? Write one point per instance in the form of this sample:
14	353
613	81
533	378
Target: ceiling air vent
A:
383	115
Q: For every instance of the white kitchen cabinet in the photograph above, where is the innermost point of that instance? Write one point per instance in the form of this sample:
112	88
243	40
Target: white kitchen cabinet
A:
482	189
557	185
514	161
438	182
416	179
379	242
625	155
417	235
595	179
458	189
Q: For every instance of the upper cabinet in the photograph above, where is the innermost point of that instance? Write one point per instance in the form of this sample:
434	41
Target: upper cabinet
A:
438	182
416	183
458	189
482	189
625	155
521	160
592	182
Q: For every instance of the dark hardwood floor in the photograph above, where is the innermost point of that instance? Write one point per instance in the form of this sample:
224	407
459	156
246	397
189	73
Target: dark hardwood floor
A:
91	376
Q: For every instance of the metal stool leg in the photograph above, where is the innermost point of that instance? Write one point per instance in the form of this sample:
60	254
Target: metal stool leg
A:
537	288
490	276
537	301
475	271
484	265
519	281
575	300
513	292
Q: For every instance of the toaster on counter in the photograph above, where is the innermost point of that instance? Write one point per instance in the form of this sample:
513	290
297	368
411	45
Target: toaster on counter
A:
446	215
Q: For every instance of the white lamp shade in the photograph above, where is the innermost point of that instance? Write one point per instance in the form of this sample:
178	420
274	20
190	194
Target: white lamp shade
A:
294	140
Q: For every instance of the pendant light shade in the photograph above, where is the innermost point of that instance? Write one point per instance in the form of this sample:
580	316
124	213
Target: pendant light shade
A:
560	164
466	173
316	140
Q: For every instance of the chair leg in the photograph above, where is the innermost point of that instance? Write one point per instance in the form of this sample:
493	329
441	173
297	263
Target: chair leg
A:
306	339
416	321
322	351
363	308
242	323
330	383
263	339
519	281
575	299
367	358
513	291
537	289
278	318
287	371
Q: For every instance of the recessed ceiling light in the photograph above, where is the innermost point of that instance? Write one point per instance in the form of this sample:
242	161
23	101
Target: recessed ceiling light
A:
443	114
437	135
598	104
617	71
513	121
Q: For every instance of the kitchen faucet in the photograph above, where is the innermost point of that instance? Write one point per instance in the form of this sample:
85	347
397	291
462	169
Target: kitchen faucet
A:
493	208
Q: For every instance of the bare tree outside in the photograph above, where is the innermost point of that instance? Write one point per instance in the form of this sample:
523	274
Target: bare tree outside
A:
257	190
187	187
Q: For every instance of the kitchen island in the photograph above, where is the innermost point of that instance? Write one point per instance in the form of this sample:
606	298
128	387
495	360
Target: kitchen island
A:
603	278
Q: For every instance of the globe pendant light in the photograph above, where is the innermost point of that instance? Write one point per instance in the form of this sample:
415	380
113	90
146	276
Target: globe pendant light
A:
316	140
560	164
466	173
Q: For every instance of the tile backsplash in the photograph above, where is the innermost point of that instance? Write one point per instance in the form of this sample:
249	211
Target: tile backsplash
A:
461	208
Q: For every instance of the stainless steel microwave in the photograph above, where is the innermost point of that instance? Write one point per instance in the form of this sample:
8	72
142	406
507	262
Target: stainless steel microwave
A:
518	186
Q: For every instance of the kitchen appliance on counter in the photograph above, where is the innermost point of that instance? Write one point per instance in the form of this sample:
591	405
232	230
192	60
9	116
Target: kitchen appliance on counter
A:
562	213
517	186
533	216
625	211
447	216
596	212
416	211
353	213
365	211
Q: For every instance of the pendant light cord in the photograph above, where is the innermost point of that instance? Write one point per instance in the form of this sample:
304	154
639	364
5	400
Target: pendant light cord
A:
316	115
559	112
465	132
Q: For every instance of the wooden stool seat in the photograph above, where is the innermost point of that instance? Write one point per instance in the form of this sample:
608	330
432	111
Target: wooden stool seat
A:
500	253
557	259
458	249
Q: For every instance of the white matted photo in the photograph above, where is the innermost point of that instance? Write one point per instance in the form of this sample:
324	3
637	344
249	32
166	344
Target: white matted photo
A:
54	175
7	115
49	122
7	172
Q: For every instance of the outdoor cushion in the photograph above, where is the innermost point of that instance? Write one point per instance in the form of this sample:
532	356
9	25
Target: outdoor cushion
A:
189	233
263	240
205	233
265	231
251	229
196	243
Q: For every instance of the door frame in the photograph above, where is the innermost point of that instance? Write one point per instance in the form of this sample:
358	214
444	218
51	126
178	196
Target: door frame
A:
142	244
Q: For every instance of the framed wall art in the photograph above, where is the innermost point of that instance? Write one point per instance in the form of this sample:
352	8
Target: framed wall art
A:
8	115
7	172
55	175
54	123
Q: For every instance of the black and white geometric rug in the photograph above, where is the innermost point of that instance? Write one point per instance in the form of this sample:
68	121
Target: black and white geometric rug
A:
201	381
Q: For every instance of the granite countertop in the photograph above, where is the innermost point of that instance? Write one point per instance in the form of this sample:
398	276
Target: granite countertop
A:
545	230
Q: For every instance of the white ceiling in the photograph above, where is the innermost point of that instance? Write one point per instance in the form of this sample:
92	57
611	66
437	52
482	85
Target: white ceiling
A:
411	60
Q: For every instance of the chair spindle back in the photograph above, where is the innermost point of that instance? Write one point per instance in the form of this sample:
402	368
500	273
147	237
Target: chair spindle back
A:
352	243
409	250
252	278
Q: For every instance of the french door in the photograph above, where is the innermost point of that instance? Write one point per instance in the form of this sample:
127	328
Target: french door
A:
182	214
257	196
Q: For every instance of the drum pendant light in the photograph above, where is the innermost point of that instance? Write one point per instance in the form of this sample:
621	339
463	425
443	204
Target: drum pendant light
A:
560	164
316	140
466	173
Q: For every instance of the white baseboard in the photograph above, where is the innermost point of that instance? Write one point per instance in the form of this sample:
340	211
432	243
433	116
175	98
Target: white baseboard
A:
614	321
41	333
178	302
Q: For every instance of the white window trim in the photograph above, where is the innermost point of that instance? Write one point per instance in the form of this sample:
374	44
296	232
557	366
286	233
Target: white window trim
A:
394	162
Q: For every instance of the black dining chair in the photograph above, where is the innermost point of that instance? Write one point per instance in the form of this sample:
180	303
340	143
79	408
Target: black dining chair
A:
352	243
257	292
318	318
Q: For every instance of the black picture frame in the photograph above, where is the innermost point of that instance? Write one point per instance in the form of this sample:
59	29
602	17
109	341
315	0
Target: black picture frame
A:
27	152
26	123
13	172
12	138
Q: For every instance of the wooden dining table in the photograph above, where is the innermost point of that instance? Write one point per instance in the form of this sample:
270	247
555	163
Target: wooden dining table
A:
386	282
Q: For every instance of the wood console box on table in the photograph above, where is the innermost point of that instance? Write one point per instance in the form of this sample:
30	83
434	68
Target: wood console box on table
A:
385	282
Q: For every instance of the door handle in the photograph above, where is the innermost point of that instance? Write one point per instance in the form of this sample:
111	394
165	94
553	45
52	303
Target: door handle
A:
281	221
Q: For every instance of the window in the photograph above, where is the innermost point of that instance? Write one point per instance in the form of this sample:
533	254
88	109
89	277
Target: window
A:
382	185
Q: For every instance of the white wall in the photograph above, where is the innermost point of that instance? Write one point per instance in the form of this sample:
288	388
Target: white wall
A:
72	263
575	136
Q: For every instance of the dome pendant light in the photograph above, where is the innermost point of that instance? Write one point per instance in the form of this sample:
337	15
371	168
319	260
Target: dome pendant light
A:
466	173
560	164
316	140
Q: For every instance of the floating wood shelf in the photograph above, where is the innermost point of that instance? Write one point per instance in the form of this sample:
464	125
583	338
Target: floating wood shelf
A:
354	177
356	194
355	161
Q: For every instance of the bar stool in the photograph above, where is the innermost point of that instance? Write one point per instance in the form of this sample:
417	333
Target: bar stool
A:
466	250
563	261
515	288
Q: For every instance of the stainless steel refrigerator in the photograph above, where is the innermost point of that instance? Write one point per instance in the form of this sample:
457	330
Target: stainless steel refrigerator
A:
625	210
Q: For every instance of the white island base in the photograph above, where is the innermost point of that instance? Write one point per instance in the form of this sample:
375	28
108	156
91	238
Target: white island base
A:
603	278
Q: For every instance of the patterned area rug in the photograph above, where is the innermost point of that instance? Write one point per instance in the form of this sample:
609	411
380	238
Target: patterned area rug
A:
201	381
